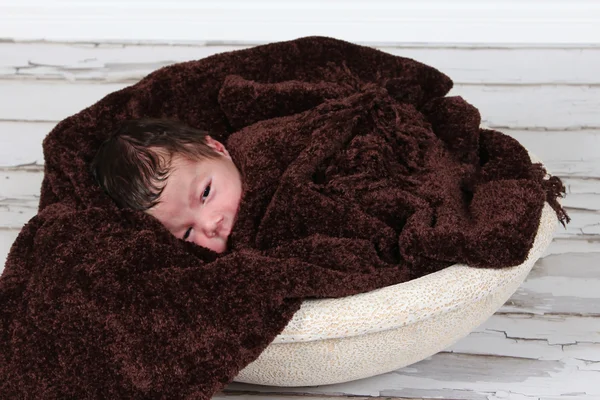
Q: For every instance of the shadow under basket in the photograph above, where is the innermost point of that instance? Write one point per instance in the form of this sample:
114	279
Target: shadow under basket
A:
339	340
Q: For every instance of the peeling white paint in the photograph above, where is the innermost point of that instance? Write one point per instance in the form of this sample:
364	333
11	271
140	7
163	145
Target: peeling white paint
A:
563	287
467	377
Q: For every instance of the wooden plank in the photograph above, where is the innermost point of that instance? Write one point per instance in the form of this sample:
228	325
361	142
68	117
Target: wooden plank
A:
130	62
105	63
577	244
7	238
582	201
21	183
560	284
14	213
565	153
536	337
534	107
583	222
49	101
468	377
583	186
516	107
21	142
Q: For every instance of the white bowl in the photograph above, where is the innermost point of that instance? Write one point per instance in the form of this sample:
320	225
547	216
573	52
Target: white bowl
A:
339	340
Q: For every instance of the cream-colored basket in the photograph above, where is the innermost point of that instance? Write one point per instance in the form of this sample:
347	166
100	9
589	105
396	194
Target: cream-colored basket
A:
339	340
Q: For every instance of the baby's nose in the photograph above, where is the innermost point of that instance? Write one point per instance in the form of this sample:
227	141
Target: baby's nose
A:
214	226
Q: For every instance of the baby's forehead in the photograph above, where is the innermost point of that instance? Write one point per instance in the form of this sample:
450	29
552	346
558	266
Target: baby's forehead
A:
185	173
179	160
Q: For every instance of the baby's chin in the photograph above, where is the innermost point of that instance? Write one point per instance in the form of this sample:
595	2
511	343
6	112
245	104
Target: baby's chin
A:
220	246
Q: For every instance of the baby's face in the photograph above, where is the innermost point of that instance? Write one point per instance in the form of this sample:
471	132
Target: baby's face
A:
201	199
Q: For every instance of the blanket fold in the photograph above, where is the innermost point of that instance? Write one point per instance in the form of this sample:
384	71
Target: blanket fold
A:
358	173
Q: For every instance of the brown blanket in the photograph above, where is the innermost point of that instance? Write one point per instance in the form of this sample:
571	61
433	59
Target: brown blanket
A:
358	174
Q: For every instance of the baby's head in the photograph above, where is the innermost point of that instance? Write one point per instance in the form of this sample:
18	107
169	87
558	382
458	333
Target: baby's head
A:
179	175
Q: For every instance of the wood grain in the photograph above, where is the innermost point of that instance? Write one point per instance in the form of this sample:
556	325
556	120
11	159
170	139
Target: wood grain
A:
129	63
473	376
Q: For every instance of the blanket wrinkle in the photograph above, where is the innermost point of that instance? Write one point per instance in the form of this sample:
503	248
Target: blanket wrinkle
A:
358	172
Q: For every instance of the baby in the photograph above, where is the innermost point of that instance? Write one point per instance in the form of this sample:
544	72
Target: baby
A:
179	175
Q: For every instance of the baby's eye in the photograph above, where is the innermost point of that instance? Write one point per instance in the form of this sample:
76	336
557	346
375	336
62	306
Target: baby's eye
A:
187	234
206	192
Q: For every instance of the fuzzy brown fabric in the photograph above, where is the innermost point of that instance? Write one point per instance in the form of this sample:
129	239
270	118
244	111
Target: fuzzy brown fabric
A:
358	174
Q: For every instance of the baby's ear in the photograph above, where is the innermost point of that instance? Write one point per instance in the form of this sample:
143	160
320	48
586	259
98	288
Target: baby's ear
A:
216	145
212	142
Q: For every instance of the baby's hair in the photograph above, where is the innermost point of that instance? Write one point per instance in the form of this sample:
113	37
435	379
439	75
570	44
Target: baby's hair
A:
133	164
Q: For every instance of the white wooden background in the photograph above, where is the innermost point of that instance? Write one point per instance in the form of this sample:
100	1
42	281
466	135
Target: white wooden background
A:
543	344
